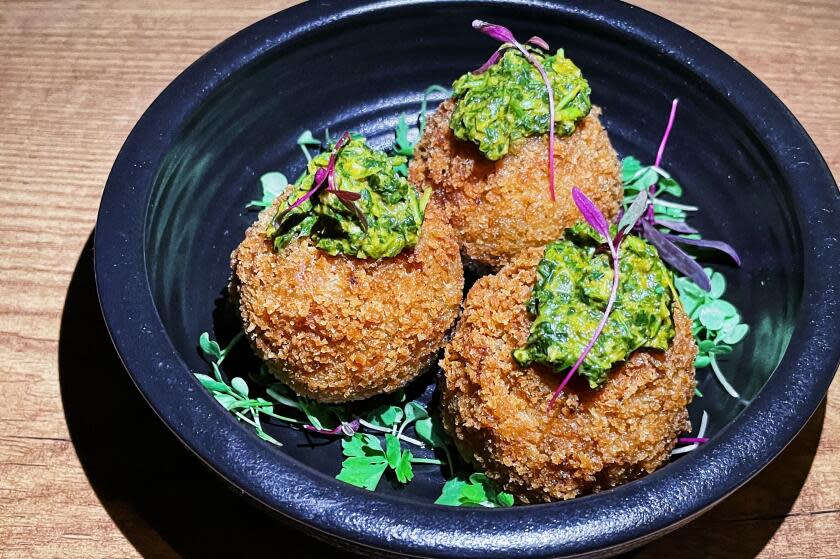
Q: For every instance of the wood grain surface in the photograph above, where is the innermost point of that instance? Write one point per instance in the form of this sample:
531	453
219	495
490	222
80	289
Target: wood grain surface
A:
86	470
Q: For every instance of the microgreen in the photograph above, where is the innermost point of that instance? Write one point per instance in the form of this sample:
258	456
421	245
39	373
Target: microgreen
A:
694	441
365	459
430	431
234	395
273	184
503	34
326	175
667	215
403	144
307	139
598	222
474	491
716	323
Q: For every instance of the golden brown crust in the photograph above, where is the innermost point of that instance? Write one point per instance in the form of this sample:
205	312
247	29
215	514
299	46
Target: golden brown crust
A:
496	411
338	328
500	208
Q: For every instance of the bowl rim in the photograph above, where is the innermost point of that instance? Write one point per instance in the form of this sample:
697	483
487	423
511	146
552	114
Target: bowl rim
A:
637	511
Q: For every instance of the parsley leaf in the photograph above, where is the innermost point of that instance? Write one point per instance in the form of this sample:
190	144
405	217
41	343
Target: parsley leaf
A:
477	490
386	416
365	460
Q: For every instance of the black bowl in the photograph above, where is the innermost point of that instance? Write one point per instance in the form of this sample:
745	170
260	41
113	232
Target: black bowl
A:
173	210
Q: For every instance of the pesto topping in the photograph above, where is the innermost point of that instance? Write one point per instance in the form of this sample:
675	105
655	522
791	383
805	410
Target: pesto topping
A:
509	101
571	293
388	203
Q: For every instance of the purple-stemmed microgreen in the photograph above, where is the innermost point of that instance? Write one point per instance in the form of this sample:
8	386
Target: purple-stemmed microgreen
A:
503	34
694	442
674	255
598	222
666	244
344	428
326	175
704	243
661	151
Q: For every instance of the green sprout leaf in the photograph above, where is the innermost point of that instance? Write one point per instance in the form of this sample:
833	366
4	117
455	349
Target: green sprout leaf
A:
736	334
392	450
386	416
702	361
711	318
307	139
366	462
403	468
239	384
209	347
363	471
430	431
414	411
226	400
474	491
273	185
718	285
210	383
402	145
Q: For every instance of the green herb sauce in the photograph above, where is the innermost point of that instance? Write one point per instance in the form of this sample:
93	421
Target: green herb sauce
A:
391	206
570	296
509	101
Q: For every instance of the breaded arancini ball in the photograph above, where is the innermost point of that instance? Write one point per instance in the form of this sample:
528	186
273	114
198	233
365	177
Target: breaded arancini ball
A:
497	412
339	328
498	208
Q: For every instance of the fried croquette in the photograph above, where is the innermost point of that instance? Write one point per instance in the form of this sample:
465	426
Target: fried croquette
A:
497	412
499	208
338	328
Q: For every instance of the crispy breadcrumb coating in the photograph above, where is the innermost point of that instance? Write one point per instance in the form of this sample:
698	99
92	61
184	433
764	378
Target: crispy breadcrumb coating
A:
499	208
337	328
496	411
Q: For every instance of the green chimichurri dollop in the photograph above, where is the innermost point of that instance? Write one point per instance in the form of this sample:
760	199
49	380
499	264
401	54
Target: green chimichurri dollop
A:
390	204
570	296
509	101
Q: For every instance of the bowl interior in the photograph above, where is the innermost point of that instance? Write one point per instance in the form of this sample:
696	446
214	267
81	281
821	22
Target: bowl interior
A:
363	77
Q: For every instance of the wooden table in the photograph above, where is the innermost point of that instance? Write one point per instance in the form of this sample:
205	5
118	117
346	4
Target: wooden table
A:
86	470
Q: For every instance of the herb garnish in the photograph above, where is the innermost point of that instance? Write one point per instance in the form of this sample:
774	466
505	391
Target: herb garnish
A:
694	441
233	395
367	209
637	178
366	460
402	144
273	185
570	282
700	289
474	491
717	323
505	99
